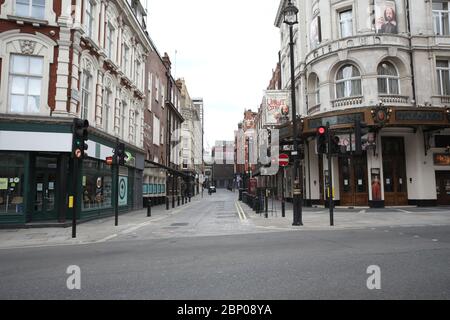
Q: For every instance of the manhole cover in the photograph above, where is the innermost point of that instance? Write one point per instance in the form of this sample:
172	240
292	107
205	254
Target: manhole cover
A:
183	224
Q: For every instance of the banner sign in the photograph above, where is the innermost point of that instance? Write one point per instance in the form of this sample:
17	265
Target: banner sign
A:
123	191
385	16
277	107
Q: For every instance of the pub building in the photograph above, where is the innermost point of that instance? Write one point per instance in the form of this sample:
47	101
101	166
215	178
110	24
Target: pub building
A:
349	67
405	158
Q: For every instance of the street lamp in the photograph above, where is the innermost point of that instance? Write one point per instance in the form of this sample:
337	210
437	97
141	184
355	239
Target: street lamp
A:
290	13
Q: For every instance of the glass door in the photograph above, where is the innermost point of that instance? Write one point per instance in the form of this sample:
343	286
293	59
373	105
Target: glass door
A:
45	204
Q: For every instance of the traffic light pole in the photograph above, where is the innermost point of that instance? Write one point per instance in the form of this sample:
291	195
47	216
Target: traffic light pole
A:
116	184
330	177
75	201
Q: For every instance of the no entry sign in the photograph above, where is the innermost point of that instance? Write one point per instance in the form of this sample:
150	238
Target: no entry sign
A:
284	160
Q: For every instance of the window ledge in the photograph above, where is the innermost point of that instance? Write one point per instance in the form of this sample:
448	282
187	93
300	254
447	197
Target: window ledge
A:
22	20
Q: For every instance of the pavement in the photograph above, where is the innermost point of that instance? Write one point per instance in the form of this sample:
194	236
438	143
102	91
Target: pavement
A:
318	218
95	231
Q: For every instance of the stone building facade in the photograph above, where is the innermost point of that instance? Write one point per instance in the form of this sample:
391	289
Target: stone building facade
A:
382	63
86	59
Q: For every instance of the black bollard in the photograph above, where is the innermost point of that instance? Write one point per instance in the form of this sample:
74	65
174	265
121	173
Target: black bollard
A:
182	200
149	208
173	201
178	201
167	203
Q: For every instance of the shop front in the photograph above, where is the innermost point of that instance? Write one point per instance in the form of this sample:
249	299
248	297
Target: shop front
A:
36	176
396	166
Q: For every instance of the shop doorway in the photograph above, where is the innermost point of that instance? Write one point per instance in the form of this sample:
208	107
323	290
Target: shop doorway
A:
353	181
443	187
394	171
46	189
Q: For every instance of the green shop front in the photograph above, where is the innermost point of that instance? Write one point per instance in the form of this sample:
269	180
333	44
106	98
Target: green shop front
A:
36	175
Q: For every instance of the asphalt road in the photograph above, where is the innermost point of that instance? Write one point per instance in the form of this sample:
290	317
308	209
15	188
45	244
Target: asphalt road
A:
207	252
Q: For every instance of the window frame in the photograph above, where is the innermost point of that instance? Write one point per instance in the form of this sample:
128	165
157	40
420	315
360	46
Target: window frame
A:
342	22
27	76
389	79
30	6
439	70
352	78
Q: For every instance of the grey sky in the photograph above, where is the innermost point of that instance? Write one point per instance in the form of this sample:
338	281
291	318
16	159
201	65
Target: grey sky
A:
226	51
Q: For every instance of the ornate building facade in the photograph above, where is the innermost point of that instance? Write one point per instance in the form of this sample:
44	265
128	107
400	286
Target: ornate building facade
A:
60	60
385	64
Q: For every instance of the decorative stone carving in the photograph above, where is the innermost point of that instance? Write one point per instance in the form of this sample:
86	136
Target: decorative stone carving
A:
27	46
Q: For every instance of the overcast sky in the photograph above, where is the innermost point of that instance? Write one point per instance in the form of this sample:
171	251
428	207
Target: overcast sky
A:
226	51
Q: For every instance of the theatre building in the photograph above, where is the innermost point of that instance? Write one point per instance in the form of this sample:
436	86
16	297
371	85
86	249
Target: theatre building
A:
60	60
387	69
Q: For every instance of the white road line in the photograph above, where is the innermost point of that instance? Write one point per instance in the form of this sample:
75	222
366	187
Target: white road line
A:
107	238
404	211
435	240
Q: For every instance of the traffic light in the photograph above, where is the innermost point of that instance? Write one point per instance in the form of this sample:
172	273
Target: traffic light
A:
358	136
322	140
269	140
120	155
335	147
79	138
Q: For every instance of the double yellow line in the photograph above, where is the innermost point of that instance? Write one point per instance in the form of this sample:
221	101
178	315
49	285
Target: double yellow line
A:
240	211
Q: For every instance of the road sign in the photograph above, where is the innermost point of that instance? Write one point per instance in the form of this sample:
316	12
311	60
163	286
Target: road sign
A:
284	160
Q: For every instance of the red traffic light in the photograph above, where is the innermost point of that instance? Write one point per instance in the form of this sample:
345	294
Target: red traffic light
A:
109	161
321	130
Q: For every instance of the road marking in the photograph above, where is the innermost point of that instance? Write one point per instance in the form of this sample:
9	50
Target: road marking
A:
435	240
404	211
416	236
241	213
107	238
362	211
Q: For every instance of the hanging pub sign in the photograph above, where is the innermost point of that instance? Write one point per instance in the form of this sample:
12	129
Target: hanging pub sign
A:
277	108
381	115
441	159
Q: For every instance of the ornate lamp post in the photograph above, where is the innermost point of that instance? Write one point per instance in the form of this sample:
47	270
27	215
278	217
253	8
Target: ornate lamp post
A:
290	13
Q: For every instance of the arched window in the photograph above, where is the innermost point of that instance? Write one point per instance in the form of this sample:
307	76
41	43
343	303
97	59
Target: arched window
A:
348	82
388	80
313	90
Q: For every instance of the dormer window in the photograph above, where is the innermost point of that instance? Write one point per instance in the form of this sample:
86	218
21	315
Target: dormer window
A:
31	8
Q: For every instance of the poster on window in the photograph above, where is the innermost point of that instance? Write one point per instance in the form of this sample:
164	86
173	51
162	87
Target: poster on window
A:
376	184
123	191
314	33
385	16
277	107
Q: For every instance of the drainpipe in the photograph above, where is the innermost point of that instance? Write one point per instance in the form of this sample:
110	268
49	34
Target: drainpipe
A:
411	52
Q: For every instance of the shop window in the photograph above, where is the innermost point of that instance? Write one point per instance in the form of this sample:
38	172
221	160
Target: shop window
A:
11	184
97	185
